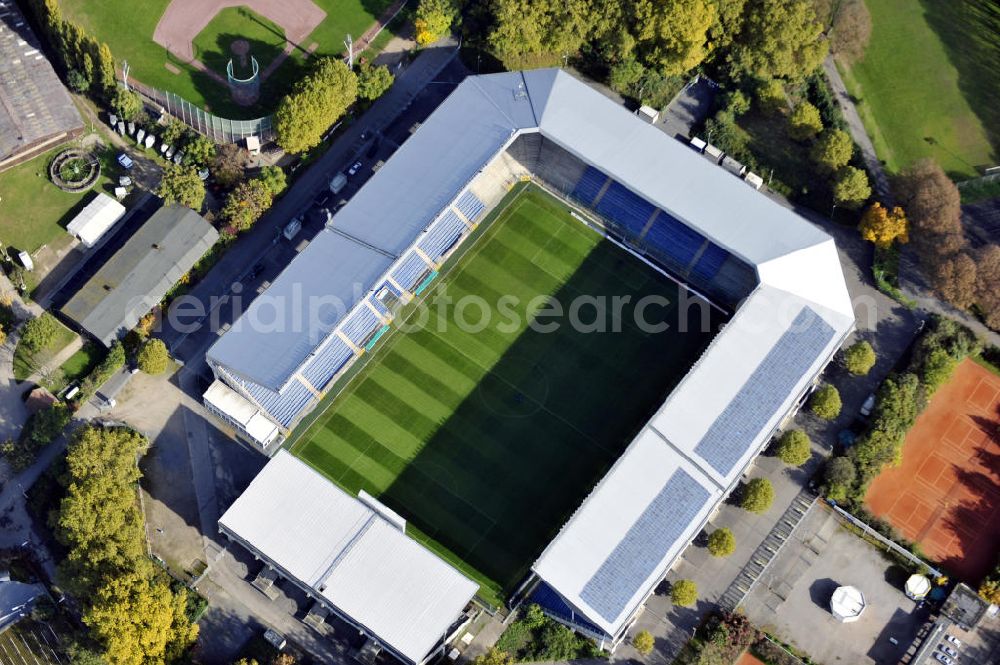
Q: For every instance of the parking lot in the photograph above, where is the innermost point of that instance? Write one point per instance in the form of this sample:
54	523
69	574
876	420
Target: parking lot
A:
792	597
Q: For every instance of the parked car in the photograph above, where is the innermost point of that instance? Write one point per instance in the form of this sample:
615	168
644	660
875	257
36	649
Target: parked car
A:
355	167
869	405
948	650
125	161
292	228
954	640
941	658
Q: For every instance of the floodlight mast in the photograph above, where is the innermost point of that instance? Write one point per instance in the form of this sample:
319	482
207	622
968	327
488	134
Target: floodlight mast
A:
349	43
125	70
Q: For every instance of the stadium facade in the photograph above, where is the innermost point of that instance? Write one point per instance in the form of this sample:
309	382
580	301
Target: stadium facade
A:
644	190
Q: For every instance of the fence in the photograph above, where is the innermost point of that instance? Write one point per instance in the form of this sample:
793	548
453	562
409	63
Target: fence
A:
220	130
992	175
898	549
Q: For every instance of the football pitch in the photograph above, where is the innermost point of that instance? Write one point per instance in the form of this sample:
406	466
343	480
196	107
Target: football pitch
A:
487	437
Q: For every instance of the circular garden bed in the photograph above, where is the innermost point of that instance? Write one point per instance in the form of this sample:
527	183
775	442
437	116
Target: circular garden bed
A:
74	170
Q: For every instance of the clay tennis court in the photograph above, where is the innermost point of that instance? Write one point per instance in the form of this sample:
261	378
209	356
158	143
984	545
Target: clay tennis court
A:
946	493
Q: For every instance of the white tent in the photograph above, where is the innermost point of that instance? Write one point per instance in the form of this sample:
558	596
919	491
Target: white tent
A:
847	604
917	587
95	219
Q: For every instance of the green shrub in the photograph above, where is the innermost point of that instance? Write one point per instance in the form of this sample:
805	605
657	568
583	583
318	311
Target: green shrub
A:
153	357
39	332
805	122
825	402
859	358
840	471
684	593
757	496
722	542
41	429
104	370
794	447
936	369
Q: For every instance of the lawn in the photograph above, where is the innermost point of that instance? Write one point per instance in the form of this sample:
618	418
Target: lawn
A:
213	44
26	363
75	368
929	83
129	33
486	440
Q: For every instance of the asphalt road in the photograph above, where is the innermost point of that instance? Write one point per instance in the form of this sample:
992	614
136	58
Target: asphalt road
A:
260	255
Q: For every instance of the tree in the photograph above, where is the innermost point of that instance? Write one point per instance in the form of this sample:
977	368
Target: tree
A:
674	35
883	227
805	122
794	447
433	19
530	34
757	496
722	542
181	185
936	369
314	104
494	657
955	278
199	151
833	150
132	617
859	358
246	203
172	132
153	357
625	75
780	39
39	332
825	402
726	134
126	103
373	82
229	164
643	642
851	188
852	28
840	471
933	206
274	179
105	68
684	593
771	96
77	81
988	284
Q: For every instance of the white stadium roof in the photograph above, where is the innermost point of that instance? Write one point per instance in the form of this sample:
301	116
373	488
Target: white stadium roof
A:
613	551
350	555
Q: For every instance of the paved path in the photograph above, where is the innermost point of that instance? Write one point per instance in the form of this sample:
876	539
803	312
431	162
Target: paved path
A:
857	130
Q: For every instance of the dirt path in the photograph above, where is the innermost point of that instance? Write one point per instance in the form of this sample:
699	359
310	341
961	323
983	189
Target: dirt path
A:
184	19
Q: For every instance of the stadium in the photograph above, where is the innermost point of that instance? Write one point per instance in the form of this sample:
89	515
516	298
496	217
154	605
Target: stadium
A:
568	466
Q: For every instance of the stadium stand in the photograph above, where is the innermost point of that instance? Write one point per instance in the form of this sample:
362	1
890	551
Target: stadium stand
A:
284	405
590	186
709	263
554	604
361	325
443	235
630	212
672	239
470	206
327	362
410	271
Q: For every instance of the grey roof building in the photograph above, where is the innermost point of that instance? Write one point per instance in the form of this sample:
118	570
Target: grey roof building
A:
36	111
139	274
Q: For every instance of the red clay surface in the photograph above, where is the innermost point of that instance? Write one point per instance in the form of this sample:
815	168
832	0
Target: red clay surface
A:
749	659
946	493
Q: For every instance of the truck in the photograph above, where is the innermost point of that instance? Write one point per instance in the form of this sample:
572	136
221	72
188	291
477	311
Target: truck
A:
292	228
338	183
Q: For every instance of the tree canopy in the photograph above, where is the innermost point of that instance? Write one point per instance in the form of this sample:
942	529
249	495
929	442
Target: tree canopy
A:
181	185
643	642
851	188
859	358
316	102
153	357
684	593
779	39
757	495
825	402
373	82
433	19
833	150
882	227
805	122
794	447
246	203
722	542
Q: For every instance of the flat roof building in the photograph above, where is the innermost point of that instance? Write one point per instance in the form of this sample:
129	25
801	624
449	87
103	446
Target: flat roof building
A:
137	276
353	556
36	110
95	219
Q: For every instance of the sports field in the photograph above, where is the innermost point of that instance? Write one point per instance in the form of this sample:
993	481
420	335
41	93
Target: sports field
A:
929	84
128	30
946	493
487	440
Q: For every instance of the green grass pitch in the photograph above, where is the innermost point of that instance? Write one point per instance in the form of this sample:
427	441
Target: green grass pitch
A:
487	441
928	83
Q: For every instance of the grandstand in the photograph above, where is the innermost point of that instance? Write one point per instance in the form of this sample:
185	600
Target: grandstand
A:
686	217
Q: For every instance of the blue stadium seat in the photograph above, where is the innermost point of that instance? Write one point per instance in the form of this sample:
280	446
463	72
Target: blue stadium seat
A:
330	359
626	209
670	237
709	263
589	186
410	271
470	206
283	406
361	324
442	235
